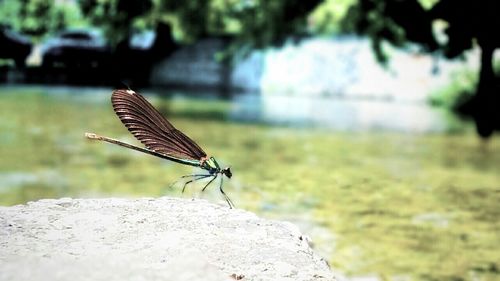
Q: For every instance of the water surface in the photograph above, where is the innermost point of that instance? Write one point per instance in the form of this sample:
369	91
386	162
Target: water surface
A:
386	204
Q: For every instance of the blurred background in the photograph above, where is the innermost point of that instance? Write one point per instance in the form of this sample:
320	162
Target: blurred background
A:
370	124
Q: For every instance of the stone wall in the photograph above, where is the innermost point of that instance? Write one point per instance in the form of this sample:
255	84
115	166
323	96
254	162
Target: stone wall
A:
192	66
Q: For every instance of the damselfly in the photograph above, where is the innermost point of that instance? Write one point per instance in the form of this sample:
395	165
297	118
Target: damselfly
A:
161	138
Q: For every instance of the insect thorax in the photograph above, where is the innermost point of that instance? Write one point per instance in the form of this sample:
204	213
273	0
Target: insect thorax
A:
211	165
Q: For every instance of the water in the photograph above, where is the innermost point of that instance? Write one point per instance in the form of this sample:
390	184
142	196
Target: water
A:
375	204
341	113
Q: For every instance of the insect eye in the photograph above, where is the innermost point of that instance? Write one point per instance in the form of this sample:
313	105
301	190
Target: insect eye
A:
227	172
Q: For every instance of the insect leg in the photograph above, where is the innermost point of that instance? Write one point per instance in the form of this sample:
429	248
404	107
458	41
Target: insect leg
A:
186	176
194	175
229	202
193	180
206	185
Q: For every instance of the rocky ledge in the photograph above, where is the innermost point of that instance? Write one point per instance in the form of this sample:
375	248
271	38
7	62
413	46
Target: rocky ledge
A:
150	239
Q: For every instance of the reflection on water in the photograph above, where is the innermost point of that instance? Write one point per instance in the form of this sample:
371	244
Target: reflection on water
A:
16	179
333	112
341	113
21	186
9	180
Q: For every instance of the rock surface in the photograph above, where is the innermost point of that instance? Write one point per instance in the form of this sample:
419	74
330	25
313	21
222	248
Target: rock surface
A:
150	239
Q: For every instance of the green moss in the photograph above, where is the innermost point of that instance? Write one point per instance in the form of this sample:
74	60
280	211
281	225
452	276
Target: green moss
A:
424	206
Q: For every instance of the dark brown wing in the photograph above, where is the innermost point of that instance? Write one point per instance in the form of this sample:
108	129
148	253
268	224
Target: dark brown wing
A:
151	128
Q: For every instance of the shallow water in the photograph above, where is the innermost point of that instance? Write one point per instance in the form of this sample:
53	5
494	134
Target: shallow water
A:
380	204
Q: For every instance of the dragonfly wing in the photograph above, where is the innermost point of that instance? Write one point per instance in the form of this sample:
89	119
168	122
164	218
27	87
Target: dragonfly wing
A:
151	128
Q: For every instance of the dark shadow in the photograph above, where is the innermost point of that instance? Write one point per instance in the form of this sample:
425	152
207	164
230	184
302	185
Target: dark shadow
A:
399	22
14	45
133	66
469	21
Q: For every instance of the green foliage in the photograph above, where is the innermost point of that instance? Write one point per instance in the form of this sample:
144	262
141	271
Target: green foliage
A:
39	17
326	18
388	21
254	23
191	17
266	23
460	88
9	12
118	18
427	4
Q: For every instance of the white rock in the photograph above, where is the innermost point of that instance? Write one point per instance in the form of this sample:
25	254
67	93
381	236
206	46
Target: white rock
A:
149	239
